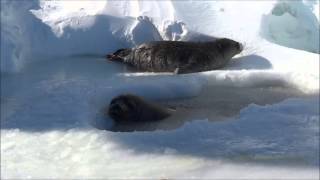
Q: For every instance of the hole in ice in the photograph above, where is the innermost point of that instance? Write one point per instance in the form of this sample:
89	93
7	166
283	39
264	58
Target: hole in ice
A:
214	104
57	94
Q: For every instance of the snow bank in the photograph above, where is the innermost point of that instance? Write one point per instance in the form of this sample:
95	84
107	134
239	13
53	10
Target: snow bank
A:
57	29
16	27
287	145
46	29
293	24
59	82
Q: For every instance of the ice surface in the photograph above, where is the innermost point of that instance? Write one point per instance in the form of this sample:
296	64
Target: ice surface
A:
257	117
280	138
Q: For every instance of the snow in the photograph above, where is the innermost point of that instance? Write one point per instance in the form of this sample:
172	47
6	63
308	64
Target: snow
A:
293	25
260	114
200	149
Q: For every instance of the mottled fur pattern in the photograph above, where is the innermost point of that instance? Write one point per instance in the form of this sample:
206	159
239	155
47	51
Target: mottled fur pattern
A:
179	56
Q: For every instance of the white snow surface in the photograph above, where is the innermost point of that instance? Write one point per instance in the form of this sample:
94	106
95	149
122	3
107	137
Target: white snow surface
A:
261	140
257	117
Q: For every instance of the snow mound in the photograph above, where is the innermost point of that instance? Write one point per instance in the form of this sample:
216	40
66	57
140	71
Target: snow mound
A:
16	27
292	24
52	29
144	31
178	31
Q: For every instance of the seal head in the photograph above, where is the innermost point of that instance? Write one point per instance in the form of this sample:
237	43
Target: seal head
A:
131	108
228	47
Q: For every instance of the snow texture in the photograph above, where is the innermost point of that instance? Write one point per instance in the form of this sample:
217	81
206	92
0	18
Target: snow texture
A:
257	117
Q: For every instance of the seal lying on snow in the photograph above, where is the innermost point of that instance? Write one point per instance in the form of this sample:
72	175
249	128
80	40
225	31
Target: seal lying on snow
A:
179	57
131	108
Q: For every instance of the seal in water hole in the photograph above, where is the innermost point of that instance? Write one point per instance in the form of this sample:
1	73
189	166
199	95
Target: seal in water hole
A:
178	56
131	108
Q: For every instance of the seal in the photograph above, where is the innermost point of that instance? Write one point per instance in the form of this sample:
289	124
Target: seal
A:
131	108
178	56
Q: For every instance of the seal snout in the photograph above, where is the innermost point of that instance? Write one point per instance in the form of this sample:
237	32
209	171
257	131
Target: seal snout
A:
239	46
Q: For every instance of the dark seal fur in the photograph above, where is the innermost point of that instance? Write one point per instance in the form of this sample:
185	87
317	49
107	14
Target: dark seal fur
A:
178	56
130	108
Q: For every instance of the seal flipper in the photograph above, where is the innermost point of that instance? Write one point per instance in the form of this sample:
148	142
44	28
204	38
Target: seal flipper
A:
189	66
176	71
183	70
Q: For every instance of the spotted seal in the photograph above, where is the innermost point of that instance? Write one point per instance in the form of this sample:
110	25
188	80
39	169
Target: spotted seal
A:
178	56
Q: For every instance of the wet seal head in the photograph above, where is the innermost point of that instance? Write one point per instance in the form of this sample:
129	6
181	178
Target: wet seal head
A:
124	107
130	108
178	56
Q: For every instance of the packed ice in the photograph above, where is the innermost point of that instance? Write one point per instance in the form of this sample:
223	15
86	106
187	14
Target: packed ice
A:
258	117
